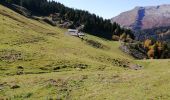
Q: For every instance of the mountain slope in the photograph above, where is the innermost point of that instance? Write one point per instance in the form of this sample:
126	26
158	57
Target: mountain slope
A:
145	17
38	61
42	42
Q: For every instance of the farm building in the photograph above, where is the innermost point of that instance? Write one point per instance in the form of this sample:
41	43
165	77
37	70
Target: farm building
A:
74	32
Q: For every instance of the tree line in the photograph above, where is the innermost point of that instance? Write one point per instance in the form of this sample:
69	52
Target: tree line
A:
93	24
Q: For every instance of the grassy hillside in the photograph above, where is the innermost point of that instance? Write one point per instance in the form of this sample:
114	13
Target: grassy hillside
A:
38	61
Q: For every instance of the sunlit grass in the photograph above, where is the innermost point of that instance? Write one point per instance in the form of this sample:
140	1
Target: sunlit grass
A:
47	64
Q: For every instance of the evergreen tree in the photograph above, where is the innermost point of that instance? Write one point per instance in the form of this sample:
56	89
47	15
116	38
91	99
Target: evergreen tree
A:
93	24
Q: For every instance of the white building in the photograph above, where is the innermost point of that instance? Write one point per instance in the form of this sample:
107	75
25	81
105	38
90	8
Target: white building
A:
74	32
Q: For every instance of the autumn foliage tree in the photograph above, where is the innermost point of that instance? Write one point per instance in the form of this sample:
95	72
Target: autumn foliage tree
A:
155	49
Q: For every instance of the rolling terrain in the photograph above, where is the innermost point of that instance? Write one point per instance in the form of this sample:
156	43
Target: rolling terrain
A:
39	61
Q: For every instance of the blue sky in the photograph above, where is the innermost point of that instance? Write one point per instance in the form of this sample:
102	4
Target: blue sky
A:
110	8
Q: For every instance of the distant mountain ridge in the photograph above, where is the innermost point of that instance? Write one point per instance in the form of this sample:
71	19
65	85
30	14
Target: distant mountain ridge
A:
148	17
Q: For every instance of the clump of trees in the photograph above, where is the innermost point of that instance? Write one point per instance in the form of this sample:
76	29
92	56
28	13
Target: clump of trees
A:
156	49
93	24
124	37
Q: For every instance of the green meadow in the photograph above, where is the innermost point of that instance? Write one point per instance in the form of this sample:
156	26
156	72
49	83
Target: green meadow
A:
41	62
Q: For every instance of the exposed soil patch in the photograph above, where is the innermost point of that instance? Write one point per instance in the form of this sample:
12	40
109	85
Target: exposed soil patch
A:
64	65
58	82
126	64
96	44
10	55
64	87
1	86
14	86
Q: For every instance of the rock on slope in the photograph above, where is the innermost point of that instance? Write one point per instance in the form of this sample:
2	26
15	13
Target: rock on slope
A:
145	17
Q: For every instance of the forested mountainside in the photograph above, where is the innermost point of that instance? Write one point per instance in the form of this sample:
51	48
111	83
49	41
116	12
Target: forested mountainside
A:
93	24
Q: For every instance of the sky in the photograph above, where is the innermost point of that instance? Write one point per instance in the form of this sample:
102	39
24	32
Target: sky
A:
110	8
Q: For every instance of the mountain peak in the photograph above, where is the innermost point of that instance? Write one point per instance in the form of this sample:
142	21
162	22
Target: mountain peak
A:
145	17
